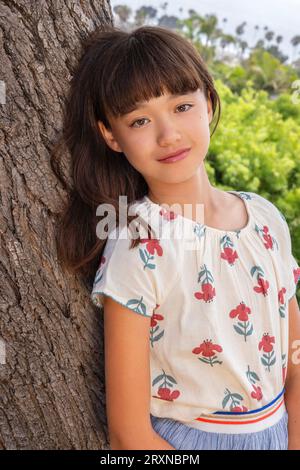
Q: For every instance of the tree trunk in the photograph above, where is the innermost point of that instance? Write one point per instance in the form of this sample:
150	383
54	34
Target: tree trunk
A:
51	349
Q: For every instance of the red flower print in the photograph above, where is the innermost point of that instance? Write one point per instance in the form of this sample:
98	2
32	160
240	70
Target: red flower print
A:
155	333
102	261
253	378
207	294
229	254
166	394
266	343
281	295
242	311
155	318
168	215
262	287
152	245
207	349
267	237
235	399
268	359
239	408
206	278
296	275
257	394
164	391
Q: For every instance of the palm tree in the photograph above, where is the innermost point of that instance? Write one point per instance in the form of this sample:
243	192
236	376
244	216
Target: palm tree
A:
208	25
295	41
225	41
123	13
269	35
256	27
144	15
260	44
240	29
164	6
243	46
170	22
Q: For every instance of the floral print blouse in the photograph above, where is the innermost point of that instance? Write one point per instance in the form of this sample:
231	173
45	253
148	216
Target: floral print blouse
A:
218	307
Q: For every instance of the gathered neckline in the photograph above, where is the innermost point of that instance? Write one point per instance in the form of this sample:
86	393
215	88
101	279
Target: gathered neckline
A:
208	228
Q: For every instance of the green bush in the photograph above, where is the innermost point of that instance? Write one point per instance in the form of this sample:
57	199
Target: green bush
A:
256	147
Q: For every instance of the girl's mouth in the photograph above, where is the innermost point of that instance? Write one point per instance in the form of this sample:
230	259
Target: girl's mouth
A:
180	156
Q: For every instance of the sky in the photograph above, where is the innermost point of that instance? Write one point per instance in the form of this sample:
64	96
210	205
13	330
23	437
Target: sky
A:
281	16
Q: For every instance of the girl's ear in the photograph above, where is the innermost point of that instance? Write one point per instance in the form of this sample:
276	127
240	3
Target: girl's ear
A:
109	137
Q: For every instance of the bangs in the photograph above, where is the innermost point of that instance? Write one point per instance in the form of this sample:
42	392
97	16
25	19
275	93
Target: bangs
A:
146	67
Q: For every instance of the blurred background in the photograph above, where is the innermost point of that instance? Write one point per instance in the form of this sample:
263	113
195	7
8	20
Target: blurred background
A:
253	52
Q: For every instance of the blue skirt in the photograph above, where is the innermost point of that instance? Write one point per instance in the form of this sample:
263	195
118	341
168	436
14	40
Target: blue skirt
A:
184	437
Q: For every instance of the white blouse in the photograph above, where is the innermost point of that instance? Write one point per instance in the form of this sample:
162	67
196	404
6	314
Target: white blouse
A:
218	307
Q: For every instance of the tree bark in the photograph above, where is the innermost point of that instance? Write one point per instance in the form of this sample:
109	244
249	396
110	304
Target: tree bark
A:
52	369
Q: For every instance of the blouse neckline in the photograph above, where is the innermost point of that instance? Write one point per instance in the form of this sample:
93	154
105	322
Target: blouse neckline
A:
209	229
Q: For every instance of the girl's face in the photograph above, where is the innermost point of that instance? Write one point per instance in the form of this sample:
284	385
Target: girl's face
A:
159	127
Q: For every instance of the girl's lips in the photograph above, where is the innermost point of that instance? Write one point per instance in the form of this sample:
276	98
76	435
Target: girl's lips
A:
180	156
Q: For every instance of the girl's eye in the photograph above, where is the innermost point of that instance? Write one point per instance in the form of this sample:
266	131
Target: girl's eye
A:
186	104
143	119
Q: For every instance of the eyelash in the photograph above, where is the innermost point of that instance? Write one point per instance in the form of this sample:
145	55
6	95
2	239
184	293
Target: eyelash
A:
179	106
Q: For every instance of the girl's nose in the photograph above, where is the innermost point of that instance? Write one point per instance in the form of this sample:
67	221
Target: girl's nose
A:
167	135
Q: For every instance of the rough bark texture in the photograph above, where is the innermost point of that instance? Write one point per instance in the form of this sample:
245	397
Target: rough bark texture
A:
52	382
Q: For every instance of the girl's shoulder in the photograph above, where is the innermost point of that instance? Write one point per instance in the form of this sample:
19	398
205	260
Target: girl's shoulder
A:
264	208
258	201
135	276
270	220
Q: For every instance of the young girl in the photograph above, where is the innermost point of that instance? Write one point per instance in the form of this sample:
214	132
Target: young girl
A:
200	313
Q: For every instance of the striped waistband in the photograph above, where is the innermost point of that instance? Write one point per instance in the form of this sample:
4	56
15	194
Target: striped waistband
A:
238	422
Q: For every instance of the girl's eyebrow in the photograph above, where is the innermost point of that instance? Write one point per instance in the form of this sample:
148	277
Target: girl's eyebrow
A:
143	104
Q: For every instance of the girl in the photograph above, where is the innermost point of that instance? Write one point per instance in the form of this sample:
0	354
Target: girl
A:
199	326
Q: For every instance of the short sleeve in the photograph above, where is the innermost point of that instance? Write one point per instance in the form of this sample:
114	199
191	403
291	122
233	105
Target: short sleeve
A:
292	267
124	276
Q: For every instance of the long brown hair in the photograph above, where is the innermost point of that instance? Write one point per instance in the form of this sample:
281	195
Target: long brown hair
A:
116	69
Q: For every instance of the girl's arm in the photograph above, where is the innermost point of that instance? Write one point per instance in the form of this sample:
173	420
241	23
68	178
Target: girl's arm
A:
128	379
292	394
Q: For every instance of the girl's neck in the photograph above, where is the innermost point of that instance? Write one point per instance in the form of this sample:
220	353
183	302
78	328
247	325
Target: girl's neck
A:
200	197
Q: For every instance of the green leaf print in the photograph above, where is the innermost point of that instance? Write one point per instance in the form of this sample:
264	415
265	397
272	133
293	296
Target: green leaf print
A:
238	330
142	255
140	306
157	379
98	277
157	338
250	331
225	401
237	396
254	375
282	311
171	379
150	266
145	256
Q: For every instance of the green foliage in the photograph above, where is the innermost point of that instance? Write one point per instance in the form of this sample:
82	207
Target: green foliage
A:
267	73
256	147
261	70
